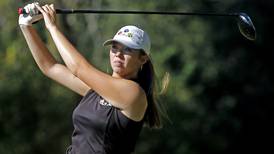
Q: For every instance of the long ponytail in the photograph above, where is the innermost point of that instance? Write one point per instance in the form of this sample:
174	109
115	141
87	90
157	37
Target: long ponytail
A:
147	80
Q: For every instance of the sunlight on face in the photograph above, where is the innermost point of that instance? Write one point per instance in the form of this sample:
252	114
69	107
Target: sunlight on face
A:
125	62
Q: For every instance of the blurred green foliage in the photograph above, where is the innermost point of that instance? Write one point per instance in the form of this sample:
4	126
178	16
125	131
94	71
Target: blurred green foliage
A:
220	98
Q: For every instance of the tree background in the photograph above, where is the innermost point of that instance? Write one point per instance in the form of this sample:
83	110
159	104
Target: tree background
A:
220	97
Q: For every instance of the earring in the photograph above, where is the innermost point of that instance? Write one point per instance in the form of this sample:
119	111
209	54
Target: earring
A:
141	68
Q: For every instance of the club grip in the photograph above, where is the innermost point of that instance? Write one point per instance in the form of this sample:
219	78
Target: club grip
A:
58	11
23	11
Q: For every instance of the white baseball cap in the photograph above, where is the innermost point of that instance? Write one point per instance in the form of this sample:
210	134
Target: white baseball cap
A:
132	37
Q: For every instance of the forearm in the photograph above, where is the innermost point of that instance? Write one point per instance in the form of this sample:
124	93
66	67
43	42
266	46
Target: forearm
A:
39	51
68	52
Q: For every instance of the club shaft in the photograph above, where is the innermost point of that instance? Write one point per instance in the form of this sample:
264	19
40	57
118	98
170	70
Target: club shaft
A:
72	11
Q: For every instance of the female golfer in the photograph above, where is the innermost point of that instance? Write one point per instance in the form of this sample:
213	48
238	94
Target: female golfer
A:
114	107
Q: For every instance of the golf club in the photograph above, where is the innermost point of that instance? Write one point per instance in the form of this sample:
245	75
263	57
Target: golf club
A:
244	22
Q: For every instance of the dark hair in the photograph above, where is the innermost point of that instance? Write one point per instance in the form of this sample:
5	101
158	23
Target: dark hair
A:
147	80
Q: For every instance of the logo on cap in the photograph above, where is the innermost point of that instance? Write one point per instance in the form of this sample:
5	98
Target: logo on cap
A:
126	30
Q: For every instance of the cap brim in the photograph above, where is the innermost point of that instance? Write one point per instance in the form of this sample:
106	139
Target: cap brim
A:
108	42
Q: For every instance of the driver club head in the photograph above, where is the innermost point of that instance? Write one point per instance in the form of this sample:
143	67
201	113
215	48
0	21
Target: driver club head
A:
246	26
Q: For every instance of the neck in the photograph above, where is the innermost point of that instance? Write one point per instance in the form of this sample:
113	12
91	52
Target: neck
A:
129	77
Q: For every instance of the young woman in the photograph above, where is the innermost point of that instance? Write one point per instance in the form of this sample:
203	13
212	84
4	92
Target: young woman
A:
114	107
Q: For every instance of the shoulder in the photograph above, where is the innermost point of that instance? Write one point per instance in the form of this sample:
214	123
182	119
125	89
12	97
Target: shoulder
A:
132	90
136	92
136	110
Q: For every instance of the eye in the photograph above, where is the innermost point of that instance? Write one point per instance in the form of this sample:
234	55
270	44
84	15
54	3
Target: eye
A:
114	48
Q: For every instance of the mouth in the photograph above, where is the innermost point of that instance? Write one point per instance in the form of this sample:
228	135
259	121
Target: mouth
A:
118	63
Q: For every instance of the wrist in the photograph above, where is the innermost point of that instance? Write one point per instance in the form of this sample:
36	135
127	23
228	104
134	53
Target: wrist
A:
24	23
24	26
52	28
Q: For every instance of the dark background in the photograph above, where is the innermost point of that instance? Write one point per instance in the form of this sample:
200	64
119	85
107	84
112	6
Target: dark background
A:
220	97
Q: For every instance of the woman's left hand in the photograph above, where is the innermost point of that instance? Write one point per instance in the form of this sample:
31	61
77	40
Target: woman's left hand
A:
49	14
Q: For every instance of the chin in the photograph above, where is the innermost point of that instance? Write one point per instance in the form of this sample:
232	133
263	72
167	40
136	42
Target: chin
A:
118	71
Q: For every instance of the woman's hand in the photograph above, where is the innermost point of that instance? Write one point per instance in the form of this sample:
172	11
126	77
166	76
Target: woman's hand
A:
31	16
49	14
